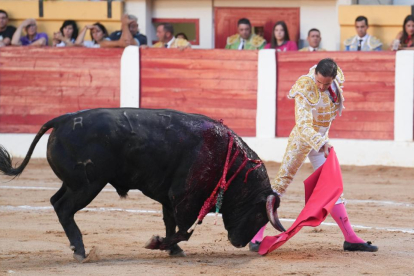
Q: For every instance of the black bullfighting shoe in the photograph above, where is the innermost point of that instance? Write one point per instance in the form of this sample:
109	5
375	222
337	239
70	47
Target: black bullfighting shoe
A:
365	246
254	246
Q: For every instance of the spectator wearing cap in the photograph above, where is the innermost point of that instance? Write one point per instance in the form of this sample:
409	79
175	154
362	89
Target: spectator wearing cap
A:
32	37
245	39
166	39
314	39
139	38
6	31
362	41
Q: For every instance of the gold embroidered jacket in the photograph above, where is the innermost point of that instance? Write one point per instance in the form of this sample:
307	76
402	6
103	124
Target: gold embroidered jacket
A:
314	113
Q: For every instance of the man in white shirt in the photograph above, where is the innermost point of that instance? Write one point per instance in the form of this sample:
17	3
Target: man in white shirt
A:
314	40
362	41
165	34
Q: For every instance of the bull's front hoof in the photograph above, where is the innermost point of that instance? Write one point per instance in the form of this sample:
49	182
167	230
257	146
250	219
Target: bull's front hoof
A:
177	254
153	243
79	258
176	251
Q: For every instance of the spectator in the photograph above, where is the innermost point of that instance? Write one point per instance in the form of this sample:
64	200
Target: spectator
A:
405	38
98	34
32	38
362	41
139	39
280	39
245	40
67	34
314	39
6	32
166	39
181	35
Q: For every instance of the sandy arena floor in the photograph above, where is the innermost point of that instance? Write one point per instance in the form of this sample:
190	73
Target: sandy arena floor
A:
32	242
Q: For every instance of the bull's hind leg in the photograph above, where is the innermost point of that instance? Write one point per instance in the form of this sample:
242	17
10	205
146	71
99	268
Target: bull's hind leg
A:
58	195
67	205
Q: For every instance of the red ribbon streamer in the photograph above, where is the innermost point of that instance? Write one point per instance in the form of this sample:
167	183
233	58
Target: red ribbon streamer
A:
223	184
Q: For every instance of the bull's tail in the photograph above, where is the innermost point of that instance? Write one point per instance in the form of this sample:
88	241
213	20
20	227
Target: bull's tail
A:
6	166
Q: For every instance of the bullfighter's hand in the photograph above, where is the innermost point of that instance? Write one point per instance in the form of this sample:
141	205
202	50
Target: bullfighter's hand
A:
325	149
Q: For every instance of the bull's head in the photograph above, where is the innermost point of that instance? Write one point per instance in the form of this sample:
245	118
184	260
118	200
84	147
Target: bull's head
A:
244	214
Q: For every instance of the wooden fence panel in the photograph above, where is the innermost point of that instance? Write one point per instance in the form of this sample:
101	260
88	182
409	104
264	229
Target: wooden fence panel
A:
38	84
368	91
221	84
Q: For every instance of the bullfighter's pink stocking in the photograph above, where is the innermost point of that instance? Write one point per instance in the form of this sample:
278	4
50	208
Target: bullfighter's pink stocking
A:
259	235
340	215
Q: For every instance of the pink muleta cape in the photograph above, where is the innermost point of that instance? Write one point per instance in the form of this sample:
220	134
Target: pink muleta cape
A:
322	190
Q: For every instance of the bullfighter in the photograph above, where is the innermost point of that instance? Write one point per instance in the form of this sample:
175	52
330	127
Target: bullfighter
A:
318	99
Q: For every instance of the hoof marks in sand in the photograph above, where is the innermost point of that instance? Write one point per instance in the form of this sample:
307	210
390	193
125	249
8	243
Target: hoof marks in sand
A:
93	256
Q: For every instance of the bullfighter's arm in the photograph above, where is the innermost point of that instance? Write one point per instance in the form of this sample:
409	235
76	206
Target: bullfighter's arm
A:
304	124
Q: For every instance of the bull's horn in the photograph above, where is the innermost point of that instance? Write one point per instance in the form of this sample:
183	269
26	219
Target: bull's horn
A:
272	215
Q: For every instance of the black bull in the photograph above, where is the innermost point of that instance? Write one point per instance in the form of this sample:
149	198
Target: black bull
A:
174	158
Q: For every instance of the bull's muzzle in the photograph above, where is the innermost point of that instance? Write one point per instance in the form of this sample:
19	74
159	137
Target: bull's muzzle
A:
272	213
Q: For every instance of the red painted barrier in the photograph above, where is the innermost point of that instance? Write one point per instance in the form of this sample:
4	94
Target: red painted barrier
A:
221	84
369	92
38	84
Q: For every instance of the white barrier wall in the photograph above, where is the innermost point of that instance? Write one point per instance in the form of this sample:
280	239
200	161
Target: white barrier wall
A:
130	77
349	151
266	94
404	100
18	144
